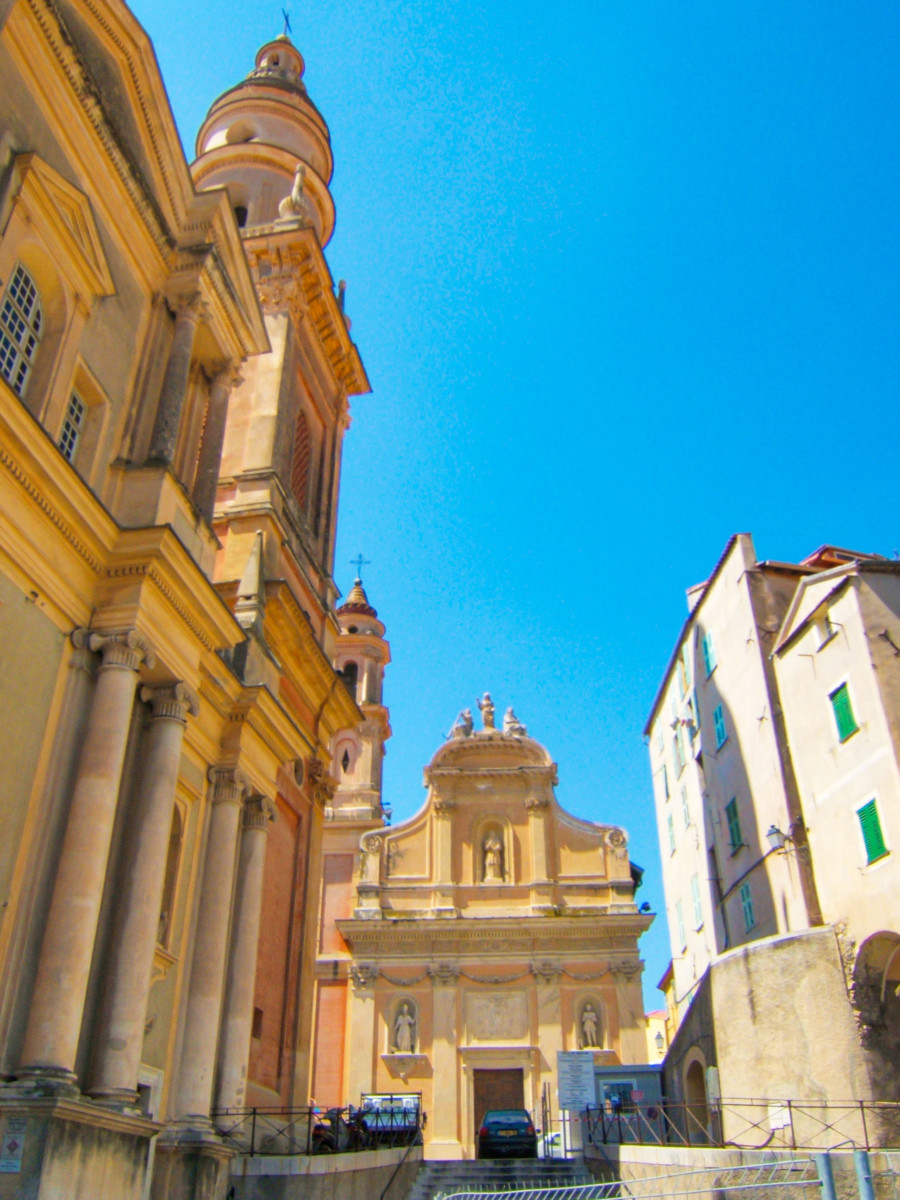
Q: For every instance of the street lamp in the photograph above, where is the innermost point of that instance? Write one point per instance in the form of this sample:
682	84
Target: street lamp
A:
776	838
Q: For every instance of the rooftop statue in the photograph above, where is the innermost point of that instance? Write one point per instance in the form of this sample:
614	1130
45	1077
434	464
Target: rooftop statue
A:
487	711
462	726
512	724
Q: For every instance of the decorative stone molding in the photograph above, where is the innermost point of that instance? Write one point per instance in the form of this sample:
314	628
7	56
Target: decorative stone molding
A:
626	971
229	785
128	649
321	786
372	843
536	803
617	842
172	701
259	812
547	972
444	808
444	974
363	976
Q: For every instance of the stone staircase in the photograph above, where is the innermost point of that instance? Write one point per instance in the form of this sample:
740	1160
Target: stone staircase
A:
497	1175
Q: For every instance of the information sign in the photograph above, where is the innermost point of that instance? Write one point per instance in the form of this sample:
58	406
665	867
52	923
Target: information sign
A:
13	1146
575	1076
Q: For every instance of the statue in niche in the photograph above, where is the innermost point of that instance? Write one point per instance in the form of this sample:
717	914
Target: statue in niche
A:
512	724
589	1026
487	711
493	858
404	1031
462	727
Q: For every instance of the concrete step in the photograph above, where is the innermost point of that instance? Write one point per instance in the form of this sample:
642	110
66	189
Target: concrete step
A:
496	1175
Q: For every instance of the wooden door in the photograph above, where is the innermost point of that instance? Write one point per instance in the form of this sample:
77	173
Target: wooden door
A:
497	1089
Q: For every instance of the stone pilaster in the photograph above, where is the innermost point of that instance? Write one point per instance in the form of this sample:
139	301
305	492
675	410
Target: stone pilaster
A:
210	456
120	1030
57	1006
204	1007
175	382
237	1019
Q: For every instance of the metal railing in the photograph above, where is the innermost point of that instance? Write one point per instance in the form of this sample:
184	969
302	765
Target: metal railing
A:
271	1131
749	1124
774	1180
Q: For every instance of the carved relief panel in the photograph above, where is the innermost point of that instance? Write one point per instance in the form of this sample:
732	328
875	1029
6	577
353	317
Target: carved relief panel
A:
496	1016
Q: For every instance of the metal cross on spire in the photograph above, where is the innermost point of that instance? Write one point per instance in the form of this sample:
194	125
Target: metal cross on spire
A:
287	21
359	562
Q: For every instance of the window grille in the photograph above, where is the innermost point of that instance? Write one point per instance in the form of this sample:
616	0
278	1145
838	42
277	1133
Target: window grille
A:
21	325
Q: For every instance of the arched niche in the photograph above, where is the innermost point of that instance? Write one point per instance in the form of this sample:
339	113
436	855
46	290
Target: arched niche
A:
403	1026
492	851
590	1022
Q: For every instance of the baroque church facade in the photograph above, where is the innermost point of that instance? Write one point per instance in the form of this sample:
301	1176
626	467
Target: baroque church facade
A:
199	891
460	950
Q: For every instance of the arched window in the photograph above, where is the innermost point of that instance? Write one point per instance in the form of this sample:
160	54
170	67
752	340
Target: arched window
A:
21	325
350	672
301	460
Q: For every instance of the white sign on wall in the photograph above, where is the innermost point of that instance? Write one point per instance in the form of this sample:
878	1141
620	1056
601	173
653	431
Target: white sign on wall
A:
575	1076
13	1145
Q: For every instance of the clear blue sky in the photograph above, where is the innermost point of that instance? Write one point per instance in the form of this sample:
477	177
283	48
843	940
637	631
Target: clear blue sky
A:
624	278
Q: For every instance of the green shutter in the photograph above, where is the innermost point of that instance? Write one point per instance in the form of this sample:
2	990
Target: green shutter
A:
734	825
871	831
843	712
709	654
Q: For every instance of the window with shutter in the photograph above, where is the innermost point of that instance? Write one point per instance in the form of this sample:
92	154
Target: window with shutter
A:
734	825
747	907
301	460
670	825
843	712
709	654
873	837
721	731
695	896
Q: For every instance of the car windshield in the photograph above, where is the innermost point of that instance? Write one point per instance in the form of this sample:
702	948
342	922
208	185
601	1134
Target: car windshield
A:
507	1116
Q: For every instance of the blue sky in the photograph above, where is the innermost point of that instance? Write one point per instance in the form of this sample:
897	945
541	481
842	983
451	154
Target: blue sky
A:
624	278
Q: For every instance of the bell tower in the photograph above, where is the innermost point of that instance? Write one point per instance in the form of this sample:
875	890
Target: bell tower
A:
267	144
361	656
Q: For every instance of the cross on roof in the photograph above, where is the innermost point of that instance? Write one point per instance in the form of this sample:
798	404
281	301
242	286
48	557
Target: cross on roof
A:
287	21
359	562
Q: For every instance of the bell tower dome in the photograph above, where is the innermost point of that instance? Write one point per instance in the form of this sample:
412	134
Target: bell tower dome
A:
266	141
361	656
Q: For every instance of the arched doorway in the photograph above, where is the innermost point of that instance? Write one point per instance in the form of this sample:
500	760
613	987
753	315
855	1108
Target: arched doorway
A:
696	1107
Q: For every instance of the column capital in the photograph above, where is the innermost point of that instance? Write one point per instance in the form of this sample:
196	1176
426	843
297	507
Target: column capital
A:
229	785
226	375
126	649
171	701
259	812
444	808
188	306
536	803
321	785
363	976
443	974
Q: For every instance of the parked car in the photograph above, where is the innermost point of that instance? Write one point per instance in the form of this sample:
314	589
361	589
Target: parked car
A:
507	1133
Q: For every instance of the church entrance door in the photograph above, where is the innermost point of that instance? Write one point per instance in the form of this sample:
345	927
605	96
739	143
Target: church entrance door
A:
497	1089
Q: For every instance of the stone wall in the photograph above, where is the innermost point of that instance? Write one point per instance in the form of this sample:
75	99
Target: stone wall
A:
360	1176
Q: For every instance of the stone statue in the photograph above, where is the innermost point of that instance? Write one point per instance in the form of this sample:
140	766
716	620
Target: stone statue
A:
463	725
296	204
493	858
512	724
589	1026
487	711
404	1031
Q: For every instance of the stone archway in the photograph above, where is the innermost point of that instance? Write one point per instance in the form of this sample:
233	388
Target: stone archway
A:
876	1003
696	1105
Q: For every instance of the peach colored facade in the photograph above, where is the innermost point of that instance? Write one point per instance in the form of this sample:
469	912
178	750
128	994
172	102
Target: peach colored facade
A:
461	949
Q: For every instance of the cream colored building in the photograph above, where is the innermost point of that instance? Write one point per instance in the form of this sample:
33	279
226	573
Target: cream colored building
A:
774	754
175	374
461	949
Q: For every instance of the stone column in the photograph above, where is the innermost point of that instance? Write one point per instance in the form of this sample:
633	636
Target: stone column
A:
444	903
444	1121
175	382
57	1005
210	457
204	1006
237	1019
541	890
120	1030
362	1064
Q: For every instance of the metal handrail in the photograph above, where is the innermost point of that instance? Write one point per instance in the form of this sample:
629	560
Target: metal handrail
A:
274	1130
